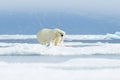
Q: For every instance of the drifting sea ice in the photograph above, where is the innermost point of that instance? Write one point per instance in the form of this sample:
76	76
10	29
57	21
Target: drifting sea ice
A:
73	68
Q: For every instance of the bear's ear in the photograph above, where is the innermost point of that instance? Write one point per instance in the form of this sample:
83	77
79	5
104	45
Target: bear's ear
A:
63	33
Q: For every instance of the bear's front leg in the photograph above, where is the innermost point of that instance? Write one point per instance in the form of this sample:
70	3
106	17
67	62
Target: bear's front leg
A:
56	41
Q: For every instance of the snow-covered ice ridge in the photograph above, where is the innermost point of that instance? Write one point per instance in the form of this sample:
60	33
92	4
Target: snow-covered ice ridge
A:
108	36
68	64
37	49
69	48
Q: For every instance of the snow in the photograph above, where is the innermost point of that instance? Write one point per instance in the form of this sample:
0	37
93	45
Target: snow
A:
17	36
70	47
84	37
75	60
62	71
82	49
107	36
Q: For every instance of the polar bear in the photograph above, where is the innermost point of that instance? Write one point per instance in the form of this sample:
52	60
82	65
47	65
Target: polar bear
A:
48	36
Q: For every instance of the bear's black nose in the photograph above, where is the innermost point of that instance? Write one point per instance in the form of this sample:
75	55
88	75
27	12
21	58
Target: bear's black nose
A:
61	35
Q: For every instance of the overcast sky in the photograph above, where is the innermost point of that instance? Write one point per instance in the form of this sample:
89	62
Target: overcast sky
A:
108	7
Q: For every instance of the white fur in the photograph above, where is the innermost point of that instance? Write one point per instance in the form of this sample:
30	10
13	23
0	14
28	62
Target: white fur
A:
46	36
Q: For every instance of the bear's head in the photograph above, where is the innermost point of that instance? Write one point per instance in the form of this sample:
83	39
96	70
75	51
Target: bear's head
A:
59	32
